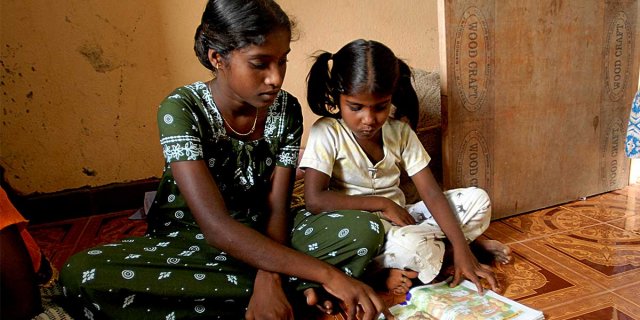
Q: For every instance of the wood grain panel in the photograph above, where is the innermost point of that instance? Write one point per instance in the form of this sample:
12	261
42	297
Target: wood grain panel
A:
536	97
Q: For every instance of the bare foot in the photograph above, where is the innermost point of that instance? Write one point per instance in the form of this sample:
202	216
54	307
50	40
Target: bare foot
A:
399	281
314	300
500	251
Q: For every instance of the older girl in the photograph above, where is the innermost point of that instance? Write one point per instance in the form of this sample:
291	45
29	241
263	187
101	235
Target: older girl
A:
217	231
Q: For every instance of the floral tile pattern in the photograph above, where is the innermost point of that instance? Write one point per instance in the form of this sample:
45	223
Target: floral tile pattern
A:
601	306
630	223
542	223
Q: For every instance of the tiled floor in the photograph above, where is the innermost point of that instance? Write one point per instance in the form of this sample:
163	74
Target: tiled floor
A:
580	260
576	261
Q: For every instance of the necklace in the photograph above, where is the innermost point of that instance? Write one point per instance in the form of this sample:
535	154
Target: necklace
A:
253	127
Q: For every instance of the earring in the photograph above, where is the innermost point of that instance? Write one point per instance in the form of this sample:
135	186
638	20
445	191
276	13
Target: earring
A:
215	70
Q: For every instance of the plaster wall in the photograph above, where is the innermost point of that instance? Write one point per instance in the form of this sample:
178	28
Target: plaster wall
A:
80	80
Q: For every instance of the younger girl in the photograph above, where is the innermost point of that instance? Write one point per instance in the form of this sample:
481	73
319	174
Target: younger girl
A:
354	157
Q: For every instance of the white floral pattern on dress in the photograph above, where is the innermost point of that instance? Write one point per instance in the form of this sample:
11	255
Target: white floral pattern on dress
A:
88	314
177	151
128	300
233	279
374	226
88	275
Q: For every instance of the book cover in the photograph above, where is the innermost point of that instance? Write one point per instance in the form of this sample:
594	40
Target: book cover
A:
440	302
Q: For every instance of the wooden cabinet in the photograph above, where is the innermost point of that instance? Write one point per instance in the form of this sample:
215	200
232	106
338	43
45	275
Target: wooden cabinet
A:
536	97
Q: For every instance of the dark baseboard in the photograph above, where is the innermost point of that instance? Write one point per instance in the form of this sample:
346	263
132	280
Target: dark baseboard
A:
83	202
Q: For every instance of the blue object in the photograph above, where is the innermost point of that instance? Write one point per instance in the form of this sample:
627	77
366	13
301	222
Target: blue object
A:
632	146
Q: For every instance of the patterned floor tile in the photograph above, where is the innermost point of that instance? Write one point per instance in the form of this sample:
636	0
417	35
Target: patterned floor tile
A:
602	306
606	255
540	281
630	292
628	196
500	231
629	223
539	224
603	208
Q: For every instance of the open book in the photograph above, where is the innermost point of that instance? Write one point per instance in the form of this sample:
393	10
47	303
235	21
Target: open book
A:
440	302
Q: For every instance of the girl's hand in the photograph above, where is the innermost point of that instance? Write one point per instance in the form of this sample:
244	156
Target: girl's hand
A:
357	297
268	300
398	215
467	266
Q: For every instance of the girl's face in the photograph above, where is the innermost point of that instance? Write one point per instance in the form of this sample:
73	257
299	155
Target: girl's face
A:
365	113
254	74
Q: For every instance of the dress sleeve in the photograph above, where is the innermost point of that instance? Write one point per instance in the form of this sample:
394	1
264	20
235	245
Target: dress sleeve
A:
178	126
321	150
287	154
414	155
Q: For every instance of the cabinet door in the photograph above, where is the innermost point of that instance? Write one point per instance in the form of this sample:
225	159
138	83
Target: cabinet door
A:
536	97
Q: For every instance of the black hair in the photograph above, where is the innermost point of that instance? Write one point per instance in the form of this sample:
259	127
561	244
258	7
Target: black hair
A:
361	66
227	25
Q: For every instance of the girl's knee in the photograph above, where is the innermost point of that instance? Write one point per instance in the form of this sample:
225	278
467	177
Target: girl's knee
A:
367	227
340	230
482	195
477	195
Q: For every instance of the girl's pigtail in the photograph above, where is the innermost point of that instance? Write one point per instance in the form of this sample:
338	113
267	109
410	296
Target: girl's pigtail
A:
320	91
405	98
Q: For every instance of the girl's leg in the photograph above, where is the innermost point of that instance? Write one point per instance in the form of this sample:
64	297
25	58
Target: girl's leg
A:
156	277
471	205
473	209
346	239
494	249
399	281
412	247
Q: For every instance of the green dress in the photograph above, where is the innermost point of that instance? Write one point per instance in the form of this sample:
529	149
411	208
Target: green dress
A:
172	273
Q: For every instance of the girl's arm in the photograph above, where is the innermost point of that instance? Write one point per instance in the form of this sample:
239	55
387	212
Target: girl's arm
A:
268	298
318	198
465	262
278	201
250	246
